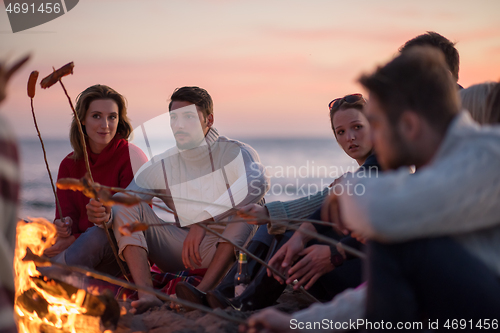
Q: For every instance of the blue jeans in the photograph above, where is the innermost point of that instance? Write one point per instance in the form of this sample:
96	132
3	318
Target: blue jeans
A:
261	235
435	279
92	250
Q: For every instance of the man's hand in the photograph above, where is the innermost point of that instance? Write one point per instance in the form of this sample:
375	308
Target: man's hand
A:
61	244
63	227
330	212
268	320
256	214
311	267
97	212
191	246
287	254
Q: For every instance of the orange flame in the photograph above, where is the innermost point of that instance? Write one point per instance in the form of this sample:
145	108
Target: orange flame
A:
38	235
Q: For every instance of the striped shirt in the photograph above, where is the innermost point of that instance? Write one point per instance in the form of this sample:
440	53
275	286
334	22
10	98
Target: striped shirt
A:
9	193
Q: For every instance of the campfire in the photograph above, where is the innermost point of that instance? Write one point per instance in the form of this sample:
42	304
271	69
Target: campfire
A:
46	304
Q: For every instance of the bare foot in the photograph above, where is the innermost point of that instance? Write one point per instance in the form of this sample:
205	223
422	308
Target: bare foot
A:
144	303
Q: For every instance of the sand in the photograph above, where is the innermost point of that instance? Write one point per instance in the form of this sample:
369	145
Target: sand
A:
166	320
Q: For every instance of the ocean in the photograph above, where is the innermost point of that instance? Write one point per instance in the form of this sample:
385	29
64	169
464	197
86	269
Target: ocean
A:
297	167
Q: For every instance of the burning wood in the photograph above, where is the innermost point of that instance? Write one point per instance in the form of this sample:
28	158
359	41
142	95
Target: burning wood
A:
49	305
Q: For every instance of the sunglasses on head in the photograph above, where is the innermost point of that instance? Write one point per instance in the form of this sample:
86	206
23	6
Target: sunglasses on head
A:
337	102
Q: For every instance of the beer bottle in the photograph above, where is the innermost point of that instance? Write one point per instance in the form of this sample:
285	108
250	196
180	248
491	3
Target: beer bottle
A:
241	279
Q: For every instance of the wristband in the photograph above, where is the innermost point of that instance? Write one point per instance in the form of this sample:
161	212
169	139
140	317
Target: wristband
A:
336	258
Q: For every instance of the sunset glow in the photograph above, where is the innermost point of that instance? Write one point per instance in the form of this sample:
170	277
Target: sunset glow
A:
271	67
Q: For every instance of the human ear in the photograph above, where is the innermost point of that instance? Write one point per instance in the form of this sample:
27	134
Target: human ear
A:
210	120
410	125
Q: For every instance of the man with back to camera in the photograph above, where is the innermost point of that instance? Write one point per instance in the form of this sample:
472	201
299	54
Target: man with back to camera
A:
202	179
435	234
443	220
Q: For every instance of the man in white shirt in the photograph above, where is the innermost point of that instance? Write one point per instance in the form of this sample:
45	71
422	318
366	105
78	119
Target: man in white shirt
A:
202	179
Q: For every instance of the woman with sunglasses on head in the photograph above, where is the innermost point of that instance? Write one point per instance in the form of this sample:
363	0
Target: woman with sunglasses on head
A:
103	114
352	131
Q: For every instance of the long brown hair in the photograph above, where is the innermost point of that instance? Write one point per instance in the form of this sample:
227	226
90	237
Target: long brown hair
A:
83	101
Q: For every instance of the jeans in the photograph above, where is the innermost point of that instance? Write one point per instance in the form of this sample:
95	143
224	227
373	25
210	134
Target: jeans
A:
434	279
92	250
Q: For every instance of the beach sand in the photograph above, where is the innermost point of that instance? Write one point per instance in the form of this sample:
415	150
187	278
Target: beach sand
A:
166	320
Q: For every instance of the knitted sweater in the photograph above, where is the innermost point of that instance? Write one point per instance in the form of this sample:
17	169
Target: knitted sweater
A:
206	182
112	167
456	194
302	208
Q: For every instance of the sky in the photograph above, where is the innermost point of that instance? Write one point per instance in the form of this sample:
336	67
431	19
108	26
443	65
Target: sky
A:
271	67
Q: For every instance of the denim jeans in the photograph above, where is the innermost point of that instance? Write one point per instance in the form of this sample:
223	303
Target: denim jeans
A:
435	279
92	250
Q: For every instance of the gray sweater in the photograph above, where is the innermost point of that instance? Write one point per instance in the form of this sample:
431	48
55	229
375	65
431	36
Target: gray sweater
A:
295	209
456	195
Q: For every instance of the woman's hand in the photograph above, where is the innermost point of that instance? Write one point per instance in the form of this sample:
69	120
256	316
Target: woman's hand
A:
255	214
61	244
63	226
97	212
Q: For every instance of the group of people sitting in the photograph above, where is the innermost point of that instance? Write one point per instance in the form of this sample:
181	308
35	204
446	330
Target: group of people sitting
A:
427	220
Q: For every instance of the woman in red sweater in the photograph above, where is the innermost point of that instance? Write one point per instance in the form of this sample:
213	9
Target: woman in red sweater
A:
103	114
